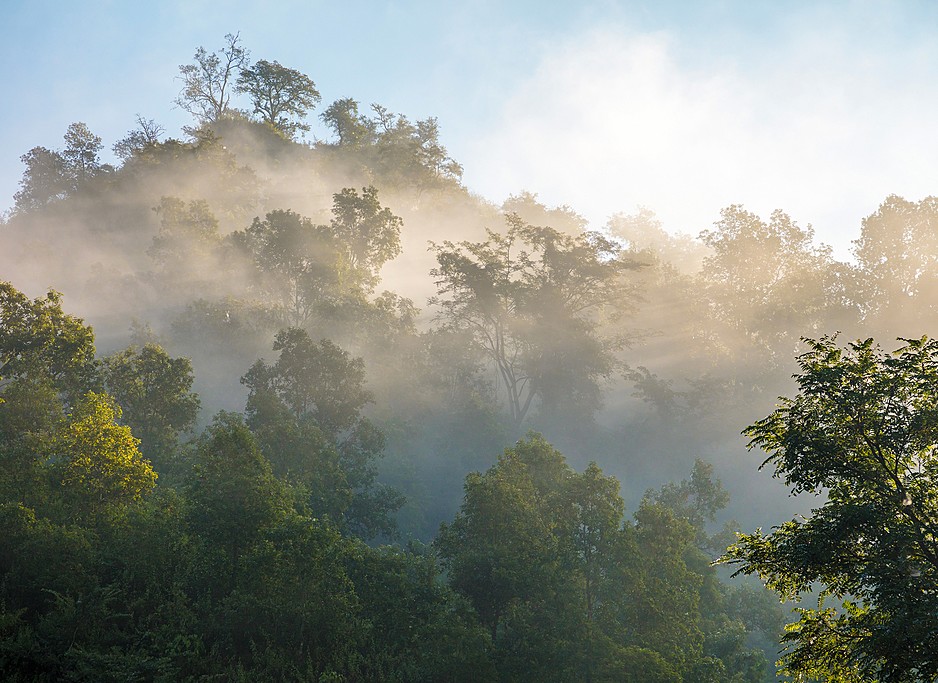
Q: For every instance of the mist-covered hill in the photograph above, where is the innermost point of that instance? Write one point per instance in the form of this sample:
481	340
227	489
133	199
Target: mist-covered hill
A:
375	333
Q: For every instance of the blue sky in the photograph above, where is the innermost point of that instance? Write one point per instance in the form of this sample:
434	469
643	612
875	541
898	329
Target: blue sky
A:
817	108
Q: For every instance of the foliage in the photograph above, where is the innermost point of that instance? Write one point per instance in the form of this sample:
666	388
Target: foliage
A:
532	298
53	175
234	495
567	588
307	404
296	262
154	392
146	135
314	269
769	282
367	233
351	128
896	252
81	153
187	230
208	83
396	150
97	459
861	432
40	341
279	95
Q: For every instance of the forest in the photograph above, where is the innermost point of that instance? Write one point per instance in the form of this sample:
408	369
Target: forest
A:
310	410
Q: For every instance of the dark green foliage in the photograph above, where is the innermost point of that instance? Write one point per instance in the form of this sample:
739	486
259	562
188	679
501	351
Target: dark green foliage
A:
154	393
40	342
306	410
569	590
862	431
234	495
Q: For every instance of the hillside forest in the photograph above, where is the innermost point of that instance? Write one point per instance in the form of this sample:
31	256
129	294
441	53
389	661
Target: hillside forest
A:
290	409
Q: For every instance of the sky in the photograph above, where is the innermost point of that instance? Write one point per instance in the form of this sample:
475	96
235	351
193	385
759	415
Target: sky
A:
821	109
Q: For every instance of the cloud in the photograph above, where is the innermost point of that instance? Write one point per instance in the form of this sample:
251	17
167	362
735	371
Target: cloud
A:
611	120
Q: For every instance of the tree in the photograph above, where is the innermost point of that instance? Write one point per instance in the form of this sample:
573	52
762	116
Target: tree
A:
861	432
351	128
154	392
897	253
532	299
297	262
368	233
81	154
406	152
505	552
322	387
233	494
569	589
281	96
768	282
319	379
40	342
146	134
52	175
44	180
697	500
207	84
313	268
188	233
97	459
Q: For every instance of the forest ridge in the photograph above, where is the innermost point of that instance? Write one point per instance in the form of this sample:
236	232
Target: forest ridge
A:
312	429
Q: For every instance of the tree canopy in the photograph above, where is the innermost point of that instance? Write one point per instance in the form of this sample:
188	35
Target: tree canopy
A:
531	298
861	433
281	96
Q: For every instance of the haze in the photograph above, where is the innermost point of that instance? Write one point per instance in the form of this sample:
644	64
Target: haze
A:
817	108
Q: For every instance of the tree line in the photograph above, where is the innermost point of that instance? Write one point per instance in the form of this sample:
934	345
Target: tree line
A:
296	533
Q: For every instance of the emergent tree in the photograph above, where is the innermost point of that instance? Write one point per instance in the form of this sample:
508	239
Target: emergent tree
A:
281	96
207	84
533	299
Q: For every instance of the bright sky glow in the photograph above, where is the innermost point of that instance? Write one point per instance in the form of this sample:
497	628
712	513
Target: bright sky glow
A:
817	108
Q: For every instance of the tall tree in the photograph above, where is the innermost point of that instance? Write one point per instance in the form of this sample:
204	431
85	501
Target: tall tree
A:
861	432
81	153
40	342
351	128
44	180
208	83
322	389
532	299
154	392
298	262
281	96
234	496
367	233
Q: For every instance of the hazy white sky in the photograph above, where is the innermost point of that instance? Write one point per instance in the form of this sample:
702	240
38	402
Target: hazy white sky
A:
818	108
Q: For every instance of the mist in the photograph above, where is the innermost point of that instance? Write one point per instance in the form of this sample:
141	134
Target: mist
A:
640	344
709	336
